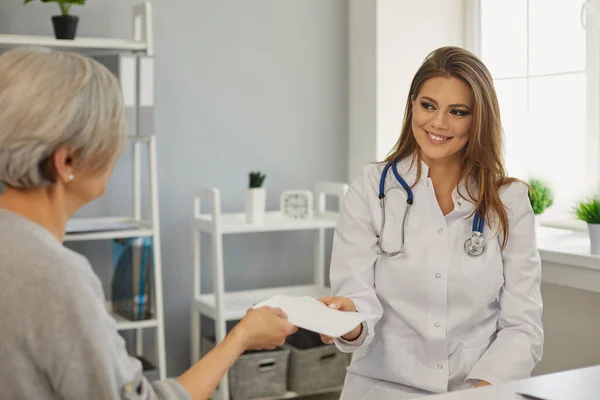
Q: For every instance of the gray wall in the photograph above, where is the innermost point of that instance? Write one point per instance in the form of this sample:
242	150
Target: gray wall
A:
571	329
240	85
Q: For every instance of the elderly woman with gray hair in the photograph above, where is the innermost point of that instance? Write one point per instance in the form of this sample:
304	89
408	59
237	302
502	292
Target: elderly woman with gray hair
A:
61	132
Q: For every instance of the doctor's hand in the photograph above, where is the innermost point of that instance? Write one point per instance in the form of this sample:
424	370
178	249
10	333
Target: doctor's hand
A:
264	328
342	304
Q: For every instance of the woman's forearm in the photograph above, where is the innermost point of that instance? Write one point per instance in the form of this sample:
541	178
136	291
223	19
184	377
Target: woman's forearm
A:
202	378
355	334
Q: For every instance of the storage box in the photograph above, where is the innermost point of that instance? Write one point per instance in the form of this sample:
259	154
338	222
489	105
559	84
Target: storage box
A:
314	366
256	373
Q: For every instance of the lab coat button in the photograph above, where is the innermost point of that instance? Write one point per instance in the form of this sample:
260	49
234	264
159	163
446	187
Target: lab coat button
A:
440	230
440	366
438	275
437	324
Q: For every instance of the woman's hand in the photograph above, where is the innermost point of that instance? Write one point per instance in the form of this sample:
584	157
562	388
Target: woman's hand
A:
264	328
342	304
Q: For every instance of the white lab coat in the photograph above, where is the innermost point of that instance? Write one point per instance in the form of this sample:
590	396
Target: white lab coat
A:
444	319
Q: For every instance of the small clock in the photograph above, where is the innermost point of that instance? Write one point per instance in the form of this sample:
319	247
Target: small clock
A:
297	204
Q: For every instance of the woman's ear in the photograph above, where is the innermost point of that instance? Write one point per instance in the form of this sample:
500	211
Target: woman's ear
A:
63	161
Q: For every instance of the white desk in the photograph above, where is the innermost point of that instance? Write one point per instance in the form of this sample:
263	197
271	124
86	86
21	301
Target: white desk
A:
579	384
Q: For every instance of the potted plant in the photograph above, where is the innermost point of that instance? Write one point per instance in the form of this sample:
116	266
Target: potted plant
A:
65	24
589	211
256	197
540	197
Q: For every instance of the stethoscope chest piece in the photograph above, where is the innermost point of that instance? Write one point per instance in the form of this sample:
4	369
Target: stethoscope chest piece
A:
475	244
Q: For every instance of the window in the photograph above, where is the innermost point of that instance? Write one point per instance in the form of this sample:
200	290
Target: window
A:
544	71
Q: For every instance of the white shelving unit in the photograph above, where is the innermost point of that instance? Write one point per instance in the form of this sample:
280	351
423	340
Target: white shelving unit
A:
138	229
230	306
141	45
108	44
142	40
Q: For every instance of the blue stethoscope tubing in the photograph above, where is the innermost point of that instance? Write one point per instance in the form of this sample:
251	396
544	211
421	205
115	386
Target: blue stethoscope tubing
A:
474	245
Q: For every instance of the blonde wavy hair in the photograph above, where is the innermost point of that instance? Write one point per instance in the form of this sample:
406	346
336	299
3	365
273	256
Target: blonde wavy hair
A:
483	160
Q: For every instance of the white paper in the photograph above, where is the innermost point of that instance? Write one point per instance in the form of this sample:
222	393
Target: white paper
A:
310	314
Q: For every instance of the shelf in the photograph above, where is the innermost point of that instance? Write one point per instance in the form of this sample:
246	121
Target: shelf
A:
124	324
80	43
274	221
238	303
79	229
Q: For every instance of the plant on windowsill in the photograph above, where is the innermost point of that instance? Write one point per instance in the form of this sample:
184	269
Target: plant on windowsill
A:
65	24
256	197
540	197
589	212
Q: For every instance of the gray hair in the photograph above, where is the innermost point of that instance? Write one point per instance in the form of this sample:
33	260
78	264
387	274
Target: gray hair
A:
50	99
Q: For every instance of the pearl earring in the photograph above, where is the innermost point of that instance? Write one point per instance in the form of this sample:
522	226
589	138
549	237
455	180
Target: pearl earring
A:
71	177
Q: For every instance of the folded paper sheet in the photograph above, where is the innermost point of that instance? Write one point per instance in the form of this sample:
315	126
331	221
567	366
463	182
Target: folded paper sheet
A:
310	314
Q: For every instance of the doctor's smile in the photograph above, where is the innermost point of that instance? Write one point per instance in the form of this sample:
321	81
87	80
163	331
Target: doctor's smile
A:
436	138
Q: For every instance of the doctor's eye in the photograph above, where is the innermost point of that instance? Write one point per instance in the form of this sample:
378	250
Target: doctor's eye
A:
427	106
459	113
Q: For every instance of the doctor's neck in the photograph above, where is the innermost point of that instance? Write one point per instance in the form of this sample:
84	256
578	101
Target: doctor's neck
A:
444	172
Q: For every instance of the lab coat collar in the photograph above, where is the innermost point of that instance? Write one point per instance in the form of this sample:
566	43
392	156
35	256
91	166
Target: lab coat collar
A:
408	169
466	204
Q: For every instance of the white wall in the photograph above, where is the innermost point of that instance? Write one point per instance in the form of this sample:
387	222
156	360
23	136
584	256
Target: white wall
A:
387	42
362	84
407	32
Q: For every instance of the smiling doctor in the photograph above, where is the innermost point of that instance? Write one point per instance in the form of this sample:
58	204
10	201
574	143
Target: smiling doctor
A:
439	244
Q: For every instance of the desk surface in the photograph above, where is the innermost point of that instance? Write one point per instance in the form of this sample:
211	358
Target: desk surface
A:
579	384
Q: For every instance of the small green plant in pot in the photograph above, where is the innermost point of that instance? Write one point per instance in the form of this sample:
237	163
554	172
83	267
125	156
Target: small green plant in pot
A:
256	197
589	212
540	197
65	24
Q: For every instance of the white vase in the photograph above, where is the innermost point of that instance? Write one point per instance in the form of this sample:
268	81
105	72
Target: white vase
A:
594	232
255	205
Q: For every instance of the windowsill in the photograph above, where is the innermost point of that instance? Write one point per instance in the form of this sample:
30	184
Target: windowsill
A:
567	247
564	224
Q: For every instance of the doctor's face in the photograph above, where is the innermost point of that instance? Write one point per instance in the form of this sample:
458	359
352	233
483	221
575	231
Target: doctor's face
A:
441	120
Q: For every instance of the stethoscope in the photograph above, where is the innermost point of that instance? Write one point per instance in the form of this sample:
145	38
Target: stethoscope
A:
473	246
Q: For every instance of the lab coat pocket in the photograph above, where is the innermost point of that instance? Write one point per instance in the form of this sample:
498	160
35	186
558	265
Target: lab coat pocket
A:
397	277
386	358
395	347
486	268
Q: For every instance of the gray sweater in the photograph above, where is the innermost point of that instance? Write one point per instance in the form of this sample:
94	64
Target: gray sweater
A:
57	340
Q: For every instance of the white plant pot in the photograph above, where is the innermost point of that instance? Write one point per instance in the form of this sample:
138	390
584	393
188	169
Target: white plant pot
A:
255	205
594	232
